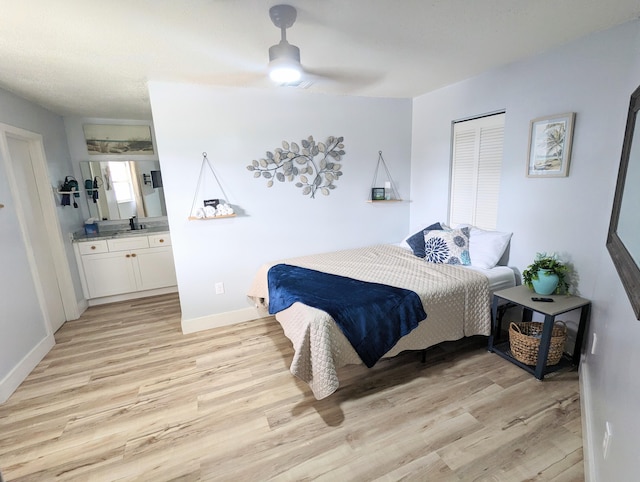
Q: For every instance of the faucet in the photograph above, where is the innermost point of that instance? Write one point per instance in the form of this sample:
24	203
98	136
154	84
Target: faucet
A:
133	222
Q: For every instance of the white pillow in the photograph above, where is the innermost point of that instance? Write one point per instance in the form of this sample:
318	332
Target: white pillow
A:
487	247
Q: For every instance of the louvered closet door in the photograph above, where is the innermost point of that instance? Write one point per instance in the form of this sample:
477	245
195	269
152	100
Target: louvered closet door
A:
475	172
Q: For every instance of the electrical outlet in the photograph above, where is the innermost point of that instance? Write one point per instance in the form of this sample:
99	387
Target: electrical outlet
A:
220	288
594	342
606	440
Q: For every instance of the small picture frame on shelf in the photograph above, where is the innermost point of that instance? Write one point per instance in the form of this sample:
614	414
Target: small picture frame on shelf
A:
377	194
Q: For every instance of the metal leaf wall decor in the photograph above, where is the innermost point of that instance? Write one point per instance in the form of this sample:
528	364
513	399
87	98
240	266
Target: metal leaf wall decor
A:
292	161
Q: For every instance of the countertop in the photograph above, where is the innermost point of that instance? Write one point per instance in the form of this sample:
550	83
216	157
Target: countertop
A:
80	236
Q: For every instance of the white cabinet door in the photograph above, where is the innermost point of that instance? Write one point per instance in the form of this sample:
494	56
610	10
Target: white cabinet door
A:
156	268
109	273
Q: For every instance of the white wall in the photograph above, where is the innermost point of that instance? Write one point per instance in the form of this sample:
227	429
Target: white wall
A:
593	77
24	336
235	126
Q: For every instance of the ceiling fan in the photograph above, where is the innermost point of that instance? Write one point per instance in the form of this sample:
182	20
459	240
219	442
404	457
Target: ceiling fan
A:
284	58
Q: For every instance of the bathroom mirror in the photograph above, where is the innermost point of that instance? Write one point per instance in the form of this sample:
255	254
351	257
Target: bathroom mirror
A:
623	240
121	189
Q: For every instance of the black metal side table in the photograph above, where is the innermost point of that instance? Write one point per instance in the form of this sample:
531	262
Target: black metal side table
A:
521	296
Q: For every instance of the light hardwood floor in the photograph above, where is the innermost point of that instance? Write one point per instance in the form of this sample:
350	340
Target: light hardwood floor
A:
124	395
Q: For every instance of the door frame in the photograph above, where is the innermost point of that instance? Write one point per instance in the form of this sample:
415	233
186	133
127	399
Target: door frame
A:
51	224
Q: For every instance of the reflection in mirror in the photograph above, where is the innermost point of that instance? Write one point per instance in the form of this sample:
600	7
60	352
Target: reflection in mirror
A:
623	240
121	189
629	222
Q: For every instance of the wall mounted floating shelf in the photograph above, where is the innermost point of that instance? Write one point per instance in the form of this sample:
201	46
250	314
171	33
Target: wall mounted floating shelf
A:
388	193
194	218
219	210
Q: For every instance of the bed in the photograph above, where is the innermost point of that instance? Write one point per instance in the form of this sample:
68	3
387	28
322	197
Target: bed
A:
456	299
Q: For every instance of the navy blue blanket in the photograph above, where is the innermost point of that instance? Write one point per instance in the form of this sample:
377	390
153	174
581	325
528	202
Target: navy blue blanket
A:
372	316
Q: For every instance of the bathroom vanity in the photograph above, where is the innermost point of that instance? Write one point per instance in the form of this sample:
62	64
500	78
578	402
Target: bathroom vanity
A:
122	265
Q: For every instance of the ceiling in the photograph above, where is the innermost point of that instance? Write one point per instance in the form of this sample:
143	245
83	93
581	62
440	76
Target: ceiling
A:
93	58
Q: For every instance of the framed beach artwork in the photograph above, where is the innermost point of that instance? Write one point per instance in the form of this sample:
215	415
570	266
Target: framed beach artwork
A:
117	139
550	145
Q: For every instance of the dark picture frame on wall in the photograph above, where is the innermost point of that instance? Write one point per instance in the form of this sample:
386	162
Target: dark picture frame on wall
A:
118	139
550	140
377	194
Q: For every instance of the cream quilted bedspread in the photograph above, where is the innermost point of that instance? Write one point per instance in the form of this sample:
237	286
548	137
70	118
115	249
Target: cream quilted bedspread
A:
455	299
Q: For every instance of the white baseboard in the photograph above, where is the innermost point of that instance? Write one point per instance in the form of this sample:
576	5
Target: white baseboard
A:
587	424
18	374
220	319
82	306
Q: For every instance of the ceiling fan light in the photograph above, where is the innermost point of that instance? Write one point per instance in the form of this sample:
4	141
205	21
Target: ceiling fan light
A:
284	58
284	72
285	69
284	63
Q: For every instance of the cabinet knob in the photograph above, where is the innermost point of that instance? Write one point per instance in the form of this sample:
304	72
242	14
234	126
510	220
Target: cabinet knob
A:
161	240
127	255
133	255
93	247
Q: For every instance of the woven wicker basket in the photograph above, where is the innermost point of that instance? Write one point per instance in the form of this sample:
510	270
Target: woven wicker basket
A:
524	338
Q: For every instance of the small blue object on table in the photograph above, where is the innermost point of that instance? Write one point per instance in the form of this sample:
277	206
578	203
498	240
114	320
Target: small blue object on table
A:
90	229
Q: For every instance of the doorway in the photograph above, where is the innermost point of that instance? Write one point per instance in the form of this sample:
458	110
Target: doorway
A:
31	192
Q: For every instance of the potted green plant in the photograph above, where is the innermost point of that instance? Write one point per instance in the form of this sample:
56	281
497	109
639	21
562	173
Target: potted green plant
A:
547	275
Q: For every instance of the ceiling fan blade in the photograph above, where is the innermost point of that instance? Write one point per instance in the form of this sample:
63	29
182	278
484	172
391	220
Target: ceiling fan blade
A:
344	77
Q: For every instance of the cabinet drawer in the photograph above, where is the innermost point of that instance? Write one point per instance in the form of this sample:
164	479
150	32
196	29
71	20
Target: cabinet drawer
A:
125	244
157	240
93	247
